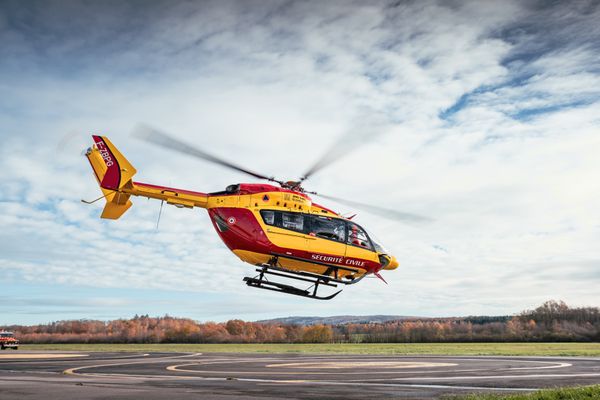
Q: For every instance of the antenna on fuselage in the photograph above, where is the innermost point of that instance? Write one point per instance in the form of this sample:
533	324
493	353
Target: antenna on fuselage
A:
159	213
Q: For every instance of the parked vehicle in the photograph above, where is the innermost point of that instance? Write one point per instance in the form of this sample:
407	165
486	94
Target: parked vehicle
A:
8	341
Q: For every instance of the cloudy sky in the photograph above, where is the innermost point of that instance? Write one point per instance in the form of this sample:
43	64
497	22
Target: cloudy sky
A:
484	116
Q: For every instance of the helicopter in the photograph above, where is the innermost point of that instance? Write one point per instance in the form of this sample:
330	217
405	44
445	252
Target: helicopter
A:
274	226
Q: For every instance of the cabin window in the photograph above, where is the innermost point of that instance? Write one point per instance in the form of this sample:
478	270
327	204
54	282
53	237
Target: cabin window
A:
268	217
358	237
328	228
293	221
285	220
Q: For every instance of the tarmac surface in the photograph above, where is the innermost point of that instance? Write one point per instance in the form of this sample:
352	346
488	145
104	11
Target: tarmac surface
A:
61	375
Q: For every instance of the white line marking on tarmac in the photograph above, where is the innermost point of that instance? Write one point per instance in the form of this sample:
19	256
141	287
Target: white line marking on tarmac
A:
458	378
175	368
303	382
360	364
71	371
56	361
554	364
180	367
560	365
415	385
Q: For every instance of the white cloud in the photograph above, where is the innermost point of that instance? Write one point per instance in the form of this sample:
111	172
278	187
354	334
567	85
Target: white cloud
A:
514	198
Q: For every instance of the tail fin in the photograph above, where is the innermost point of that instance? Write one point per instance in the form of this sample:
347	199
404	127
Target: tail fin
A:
113	173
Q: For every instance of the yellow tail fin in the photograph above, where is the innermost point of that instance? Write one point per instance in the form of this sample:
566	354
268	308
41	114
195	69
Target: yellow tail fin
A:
113	173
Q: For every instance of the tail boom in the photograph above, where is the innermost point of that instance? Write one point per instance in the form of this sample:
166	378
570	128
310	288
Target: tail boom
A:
114	174
176	197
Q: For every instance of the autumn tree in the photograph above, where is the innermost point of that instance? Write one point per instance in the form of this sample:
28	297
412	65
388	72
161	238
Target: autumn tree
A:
317	334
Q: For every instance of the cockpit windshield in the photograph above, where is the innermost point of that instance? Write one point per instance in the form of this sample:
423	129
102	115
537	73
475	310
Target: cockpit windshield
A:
377	244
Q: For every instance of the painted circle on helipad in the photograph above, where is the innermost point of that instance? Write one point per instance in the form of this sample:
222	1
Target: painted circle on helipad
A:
361	364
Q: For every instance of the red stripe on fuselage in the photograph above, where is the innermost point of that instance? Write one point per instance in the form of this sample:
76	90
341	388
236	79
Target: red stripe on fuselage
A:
245	233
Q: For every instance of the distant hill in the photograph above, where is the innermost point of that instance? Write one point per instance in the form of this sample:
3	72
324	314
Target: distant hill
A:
337	320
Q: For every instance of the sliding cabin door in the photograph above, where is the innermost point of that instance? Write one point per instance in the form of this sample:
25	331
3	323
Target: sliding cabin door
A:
287	233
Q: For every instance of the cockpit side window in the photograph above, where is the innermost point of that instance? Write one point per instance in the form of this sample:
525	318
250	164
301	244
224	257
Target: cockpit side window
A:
358	237
328	228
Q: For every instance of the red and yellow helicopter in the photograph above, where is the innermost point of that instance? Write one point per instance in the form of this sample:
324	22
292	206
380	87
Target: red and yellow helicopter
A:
278	229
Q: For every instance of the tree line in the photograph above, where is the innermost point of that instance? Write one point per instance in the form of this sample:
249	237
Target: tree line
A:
552	321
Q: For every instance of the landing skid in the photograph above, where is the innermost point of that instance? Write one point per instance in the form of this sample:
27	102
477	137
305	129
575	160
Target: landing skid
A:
329	278
261	282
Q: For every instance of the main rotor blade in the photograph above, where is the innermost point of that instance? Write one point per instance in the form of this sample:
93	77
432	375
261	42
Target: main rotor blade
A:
162	139
365	128
384	212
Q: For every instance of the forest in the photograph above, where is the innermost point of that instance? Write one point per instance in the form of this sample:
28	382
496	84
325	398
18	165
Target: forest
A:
553	321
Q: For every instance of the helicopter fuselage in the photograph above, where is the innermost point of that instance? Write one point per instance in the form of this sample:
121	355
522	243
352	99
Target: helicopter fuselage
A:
257	221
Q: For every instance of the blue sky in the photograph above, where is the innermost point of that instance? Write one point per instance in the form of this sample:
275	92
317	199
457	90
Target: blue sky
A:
483	116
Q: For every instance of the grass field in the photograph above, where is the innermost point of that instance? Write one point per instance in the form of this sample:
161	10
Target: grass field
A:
455	349
581	393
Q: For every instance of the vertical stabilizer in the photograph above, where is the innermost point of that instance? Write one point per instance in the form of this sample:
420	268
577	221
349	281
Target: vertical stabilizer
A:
113	173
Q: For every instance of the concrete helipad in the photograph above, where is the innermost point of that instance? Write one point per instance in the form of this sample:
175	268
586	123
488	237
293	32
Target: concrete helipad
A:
285	376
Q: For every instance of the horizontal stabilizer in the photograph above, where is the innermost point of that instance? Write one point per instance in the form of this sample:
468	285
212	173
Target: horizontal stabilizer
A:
116	205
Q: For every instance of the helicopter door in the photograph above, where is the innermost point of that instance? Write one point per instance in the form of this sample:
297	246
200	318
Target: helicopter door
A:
327	239
360	248
286	231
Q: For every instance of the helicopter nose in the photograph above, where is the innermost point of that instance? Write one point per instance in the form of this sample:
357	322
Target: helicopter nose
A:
393	264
